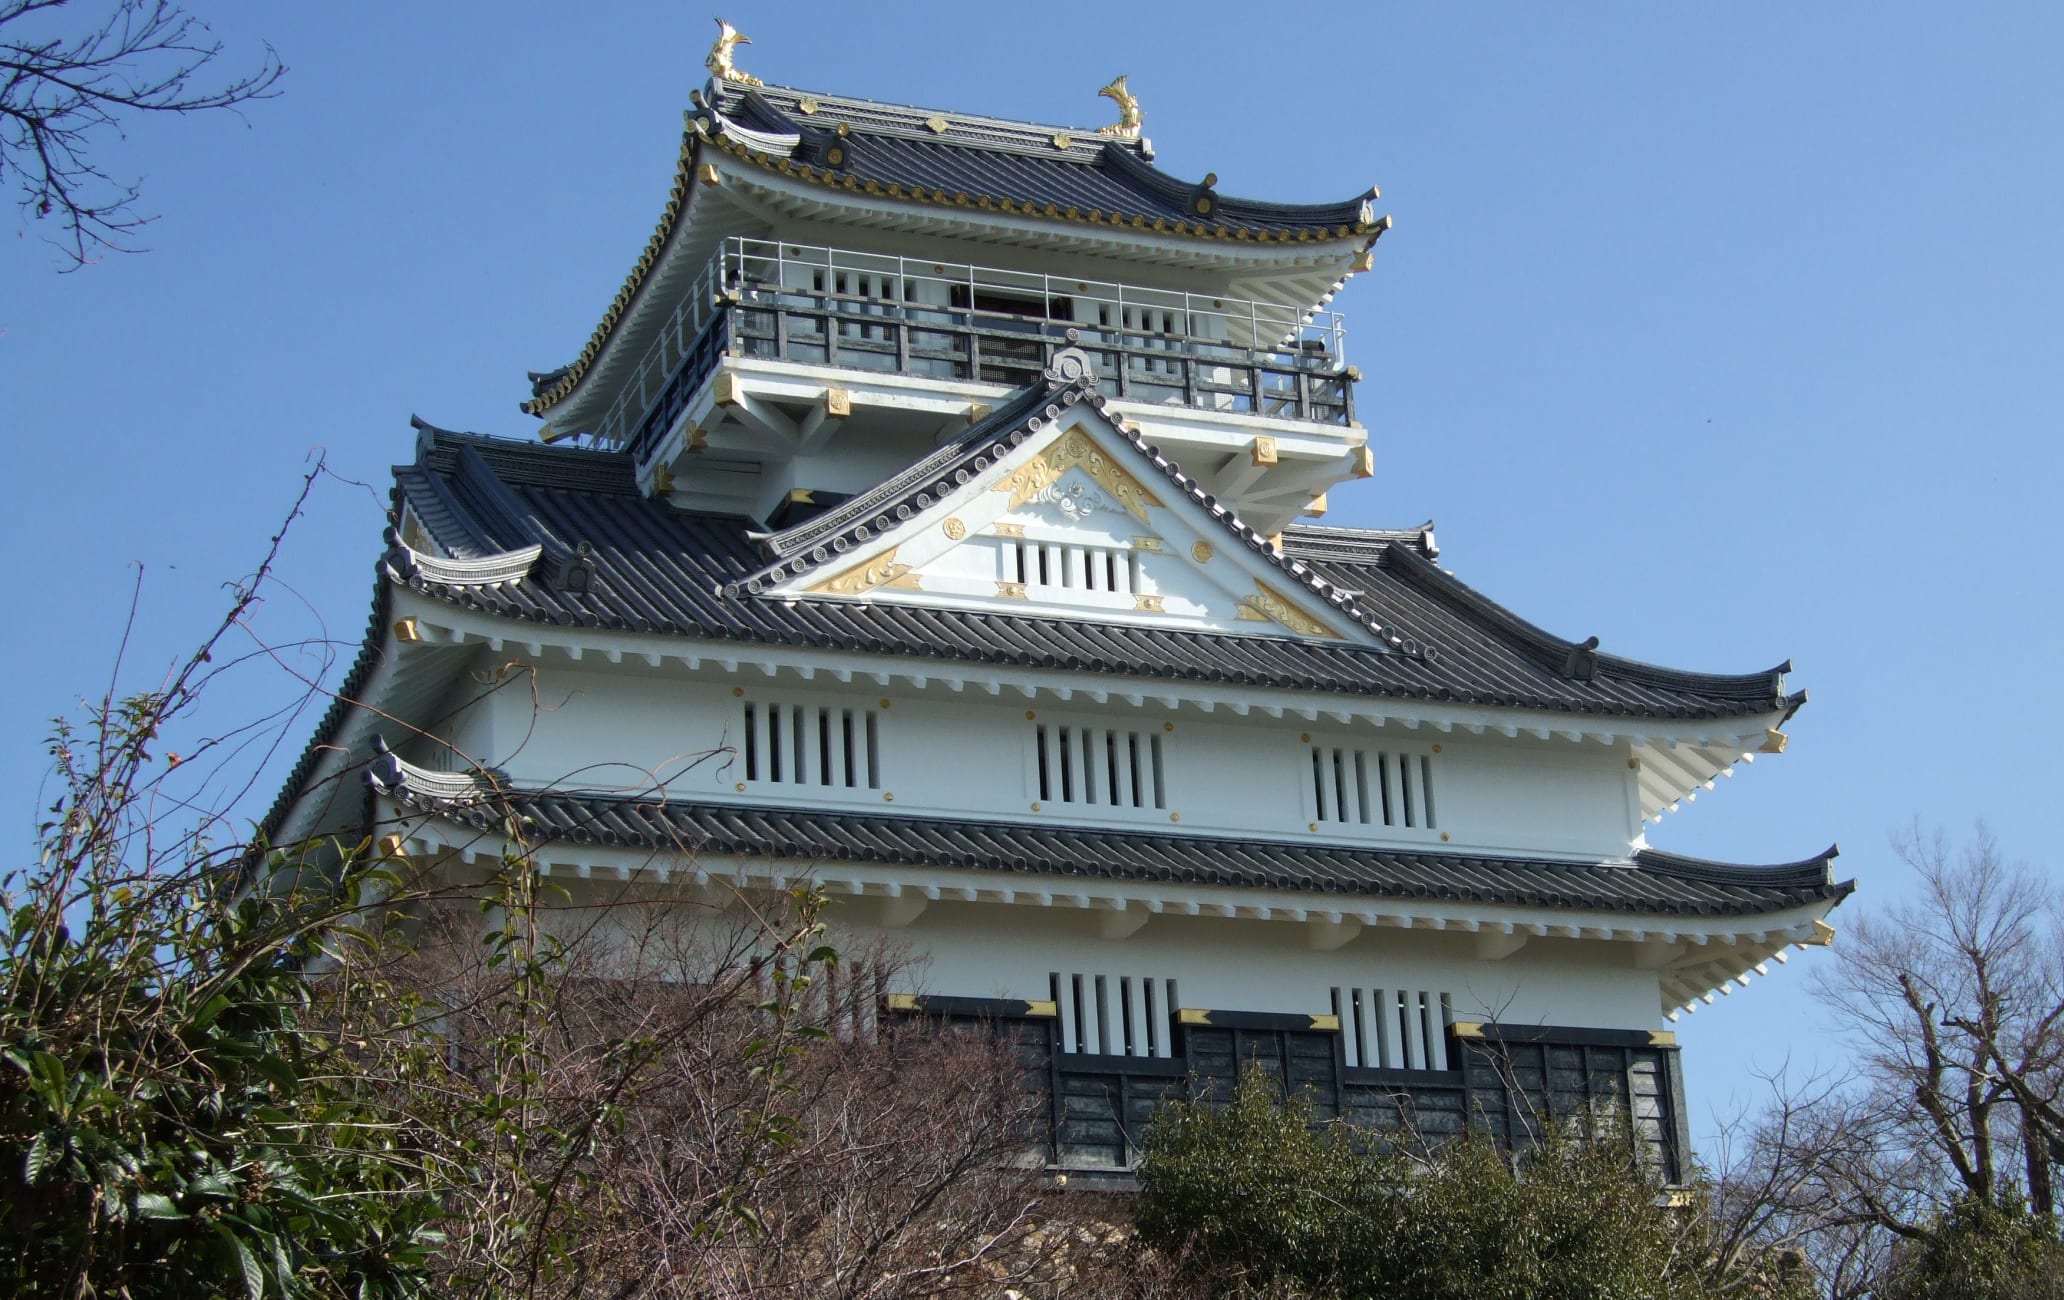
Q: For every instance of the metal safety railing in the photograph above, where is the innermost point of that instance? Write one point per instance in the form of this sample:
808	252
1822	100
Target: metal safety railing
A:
912	316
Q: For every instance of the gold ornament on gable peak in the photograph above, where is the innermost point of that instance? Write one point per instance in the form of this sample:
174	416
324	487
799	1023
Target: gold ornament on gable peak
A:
1077	450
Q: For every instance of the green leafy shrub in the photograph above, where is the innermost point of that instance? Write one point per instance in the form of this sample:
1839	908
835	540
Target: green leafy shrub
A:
1265	1198
174	1127
1980	1249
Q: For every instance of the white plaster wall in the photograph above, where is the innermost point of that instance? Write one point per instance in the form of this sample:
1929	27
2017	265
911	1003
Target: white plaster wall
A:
967	753
978	950
981	950
1559	798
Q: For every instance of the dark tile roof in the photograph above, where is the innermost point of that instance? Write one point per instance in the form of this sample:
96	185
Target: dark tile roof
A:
1022	161
660	569
1653	883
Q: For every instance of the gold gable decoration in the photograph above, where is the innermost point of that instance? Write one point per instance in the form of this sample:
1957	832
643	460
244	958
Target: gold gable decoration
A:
881	571
1268	604
1077	450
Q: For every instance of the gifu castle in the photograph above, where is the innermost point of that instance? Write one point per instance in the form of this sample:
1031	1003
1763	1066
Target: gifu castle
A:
922	520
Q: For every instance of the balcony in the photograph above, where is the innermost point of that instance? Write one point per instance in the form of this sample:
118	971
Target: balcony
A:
910	316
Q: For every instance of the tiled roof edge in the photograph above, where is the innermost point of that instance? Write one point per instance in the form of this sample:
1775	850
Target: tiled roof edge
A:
1764	688
1356	545
484	804
1817	870
1352	212
525	462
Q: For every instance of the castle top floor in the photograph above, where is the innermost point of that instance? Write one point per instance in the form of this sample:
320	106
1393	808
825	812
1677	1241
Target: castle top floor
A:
949	247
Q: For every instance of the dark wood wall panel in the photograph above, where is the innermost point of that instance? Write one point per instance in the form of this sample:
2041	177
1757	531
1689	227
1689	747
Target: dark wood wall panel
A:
1511	1082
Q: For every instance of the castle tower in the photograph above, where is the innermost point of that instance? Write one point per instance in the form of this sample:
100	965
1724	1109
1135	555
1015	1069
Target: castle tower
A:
937	480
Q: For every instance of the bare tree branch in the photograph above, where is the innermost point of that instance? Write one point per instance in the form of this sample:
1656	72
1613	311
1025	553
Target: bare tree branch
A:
1954	1002
67	88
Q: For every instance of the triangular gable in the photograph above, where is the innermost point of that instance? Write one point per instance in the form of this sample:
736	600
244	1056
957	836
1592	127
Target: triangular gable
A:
1051	509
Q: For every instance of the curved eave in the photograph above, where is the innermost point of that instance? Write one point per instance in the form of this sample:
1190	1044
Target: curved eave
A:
779	114
660	569
1692	977
1348	216
1816	872
1304	265
1765	689
558	384
1358	230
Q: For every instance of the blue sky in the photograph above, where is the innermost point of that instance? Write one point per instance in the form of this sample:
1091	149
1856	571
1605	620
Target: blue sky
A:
1727	333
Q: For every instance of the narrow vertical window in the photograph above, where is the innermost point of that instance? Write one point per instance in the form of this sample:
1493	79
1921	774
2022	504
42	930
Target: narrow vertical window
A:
1371	787
825	746
1102	767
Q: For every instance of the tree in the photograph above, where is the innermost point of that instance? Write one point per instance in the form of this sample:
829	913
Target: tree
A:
1979	1250
1945	1136
67	88
641	1093
1264	1198
172	1119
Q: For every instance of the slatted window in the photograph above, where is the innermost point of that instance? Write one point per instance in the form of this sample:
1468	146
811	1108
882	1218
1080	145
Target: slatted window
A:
1394	1029
1099	766
1077	568
1115	1015
1372	787
812	744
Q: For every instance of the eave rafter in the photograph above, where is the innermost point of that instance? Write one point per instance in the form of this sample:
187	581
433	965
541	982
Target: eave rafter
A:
1675	769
